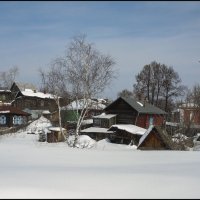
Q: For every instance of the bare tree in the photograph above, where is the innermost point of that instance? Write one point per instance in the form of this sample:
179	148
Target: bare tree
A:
171	85
54	82
8	77
88	71
83	72
125	93
158	83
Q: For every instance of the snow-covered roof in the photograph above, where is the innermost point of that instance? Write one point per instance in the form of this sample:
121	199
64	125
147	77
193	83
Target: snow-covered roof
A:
145	108
4	104
5	91
80	105
105	116
31	93
4	111
130	128
96	130
46	112
13	110
56	129
87	121
188	105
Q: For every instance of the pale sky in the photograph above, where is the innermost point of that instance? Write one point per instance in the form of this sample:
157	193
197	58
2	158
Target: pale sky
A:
134	33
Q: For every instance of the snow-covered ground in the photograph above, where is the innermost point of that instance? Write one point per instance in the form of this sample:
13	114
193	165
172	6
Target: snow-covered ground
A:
32	169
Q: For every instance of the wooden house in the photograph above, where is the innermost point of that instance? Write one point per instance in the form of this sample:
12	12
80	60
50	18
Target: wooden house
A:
11	116
132	111
33	101
155	138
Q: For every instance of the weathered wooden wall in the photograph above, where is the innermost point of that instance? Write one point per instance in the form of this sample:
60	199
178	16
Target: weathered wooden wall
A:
153	142
125	113
34	103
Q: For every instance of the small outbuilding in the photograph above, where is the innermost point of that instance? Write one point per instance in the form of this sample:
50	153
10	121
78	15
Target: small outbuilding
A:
54	134
96	133
126	133
155	138
104	121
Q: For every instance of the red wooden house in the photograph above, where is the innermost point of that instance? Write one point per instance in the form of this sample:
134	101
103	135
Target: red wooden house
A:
132	111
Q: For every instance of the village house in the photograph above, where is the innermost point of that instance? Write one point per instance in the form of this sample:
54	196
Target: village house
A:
11	116
33	101
132	111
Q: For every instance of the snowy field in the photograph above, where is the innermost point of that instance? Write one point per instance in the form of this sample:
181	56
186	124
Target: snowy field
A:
32	169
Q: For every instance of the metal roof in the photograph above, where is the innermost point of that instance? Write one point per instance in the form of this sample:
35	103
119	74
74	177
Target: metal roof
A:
141	107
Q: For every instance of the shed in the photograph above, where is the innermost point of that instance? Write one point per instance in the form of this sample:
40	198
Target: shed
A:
46	114
155	138
104	121
126	133
55	135
96	133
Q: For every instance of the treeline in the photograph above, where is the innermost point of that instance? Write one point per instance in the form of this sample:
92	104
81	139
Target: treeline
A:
161	86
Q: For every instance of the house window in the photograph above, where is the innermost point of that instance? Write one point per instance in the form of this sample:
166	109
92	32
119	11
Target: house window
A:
17	120
97	122
2	119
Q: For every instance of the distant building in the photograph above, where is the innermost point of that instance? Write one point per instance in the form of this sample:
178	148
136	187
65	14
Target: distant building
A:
74	109
187	114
